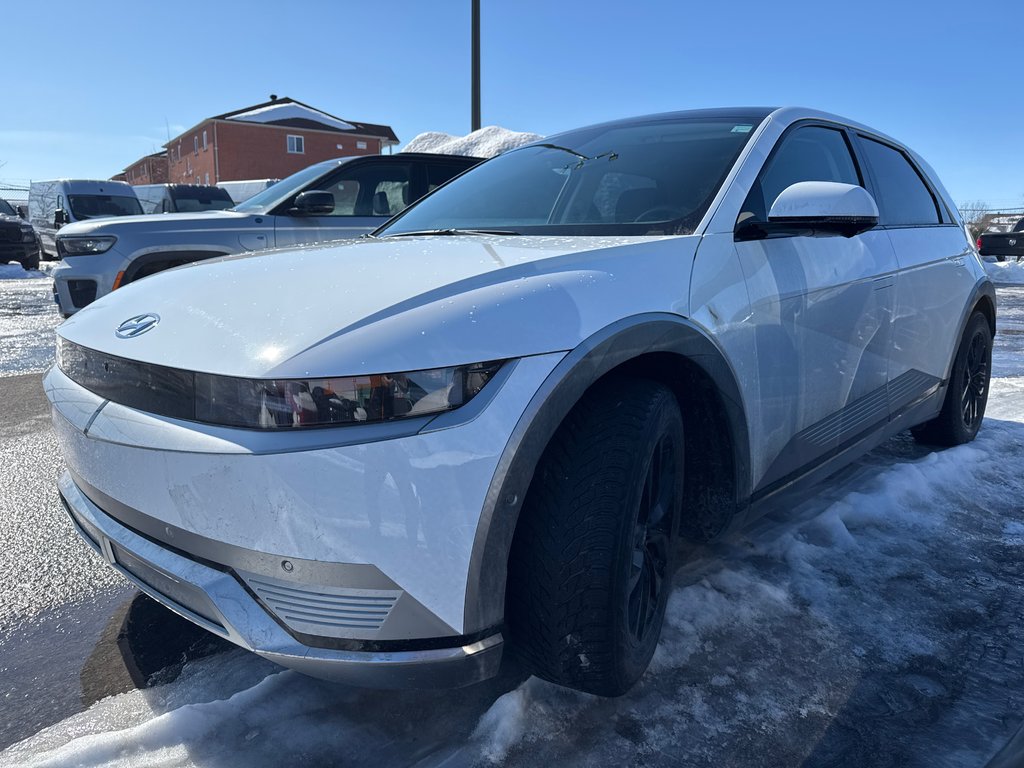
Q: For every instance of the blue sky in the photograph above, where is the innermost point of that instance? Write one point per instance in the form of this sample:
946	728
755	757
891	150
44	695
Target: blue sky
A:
93	86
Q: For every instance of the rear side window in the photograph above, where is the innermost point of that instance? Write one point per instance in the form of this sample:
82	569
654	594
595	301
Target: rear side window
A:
439	174
904	199
811	153
370	189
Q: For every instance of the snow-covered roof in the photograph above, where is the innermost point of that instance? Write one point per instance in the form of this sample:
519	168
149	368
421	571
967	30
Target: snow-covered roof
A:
278	111
486	142
286	111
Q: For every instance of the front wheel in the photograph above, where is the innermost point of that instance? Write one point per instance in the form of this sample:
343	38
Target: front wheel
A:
967	392
591	565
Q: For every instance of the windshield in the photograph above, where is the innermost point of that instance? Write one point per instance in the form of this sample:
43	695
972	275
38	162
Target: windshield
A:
187	200
6	209
94	206
282	190
1019	227
642	178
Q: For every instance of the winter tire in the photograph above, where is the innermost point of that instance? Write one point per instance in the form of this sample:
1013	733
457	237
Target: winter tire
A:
591	565
967	391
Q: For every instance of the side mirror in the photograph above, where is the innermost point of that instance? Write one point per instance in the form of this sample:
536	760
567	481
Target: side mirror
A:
313	203
60	218
816	209
22	211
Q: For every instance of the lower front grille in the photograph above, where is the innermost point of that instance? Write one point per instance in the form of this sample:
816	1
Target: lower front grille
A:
83	292
322	610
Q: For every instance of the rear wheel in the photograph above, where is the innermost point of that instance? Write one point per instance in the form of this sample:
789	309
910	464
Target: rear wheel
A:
591	565
967	392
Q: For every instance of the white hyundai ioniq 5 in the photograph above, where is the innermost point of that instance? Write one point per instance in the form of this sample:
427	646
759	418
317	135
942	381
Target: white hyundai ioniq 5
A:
486	426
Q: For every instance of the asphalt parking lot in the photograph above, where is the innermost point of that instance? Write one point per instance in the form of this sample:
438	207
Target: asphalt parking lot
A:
879	624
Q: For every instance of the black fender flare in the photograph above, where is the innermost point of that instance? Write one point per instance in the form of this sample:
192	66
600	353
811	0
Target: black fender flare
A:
616	344
984	288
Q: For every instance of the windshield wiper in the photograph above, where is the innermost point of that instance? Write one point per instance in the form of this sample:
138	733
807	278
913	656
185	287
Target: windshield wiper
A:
421	232
610	154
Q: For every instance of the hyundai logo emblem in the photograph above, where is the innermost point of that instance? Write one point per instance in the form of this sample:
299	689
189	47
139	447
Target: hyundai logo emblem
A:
136	326
1013	241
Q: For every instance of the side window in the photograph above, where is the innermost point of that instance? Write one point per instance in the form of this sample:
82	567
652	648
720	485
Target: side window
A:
439	174
370	189
904	198
812	153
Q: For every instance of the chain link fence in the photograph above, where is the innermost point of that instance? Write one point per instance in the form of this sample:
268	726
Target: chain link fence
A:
14	192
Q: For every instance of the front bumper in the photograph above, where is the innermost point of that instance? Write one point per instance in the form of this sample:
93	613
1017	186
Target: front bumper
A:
223	603
282	541
80	280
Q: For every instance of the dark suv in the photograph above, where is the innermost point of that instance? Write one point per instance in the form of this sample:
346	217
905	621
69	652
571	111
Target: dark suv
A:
18	241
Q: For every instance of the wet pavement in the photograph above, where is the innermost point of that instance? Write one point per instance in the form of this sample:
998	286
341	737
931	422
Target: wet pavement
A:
28	316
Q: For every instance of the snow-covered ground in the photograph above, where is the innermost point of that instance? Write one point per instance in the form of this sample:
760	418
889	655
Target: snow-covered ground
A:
14	271
487	142
878	623
1006	272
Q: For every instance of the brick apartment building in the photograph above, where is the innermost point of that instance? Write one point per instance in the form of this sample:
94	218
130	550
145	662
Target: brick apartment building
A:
151	169
269	140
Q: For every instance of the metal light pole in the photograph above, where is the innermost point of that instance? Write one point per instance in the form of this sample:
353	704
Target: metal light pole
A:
476	65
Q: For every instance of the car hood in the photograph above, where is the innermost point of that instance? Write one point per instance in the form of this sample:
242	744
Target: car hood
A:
389	305
154	222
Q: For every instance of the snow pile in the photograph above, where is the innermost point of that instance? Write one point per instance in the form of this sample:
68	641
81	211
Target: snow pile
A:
17	272
1006	272
486	142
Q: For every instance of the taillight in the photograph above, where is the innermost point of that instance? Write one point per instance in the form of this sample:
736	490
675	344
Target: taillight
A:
979	243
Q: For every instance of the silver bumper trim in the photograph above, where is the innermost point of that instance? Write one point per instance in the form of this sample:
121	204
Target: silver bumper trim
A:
222	606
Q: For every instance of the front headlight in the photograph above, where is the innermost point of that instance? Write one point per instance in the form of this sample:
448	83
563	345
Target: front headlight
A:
287	403
274	403
83	245
28	235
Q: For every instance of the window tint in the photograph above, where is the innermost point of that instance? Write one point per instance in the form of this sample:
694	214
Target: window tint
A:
812	153
1019	227
95	206
903	197
439	174
370	190
653	177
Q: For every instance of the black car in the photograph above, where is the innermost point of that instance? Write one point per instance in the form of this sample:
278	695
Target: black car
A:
1003	245
18	241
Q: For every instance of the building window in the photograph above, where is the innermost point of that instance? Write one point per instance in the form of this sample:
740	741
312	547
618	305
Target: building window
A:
360	145
296	145
204	141
195	145
206	179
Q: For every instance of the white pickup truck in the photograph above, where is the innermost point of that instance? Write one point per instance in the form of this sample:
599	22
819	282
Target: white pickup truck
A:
331	200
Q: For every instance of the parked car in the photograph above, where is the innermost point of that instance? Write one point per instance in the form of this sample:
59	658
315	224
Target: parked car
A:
1003	245
54	204
182	198
18	241
241	191
335	199
487	425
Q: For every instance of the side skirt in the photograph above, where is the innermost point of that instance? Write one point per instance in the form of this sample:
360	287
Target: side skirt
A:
793	488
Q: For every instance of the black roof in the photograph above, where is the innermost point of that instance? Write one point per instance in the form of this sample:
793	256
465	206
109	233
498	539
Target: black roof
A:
361	129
